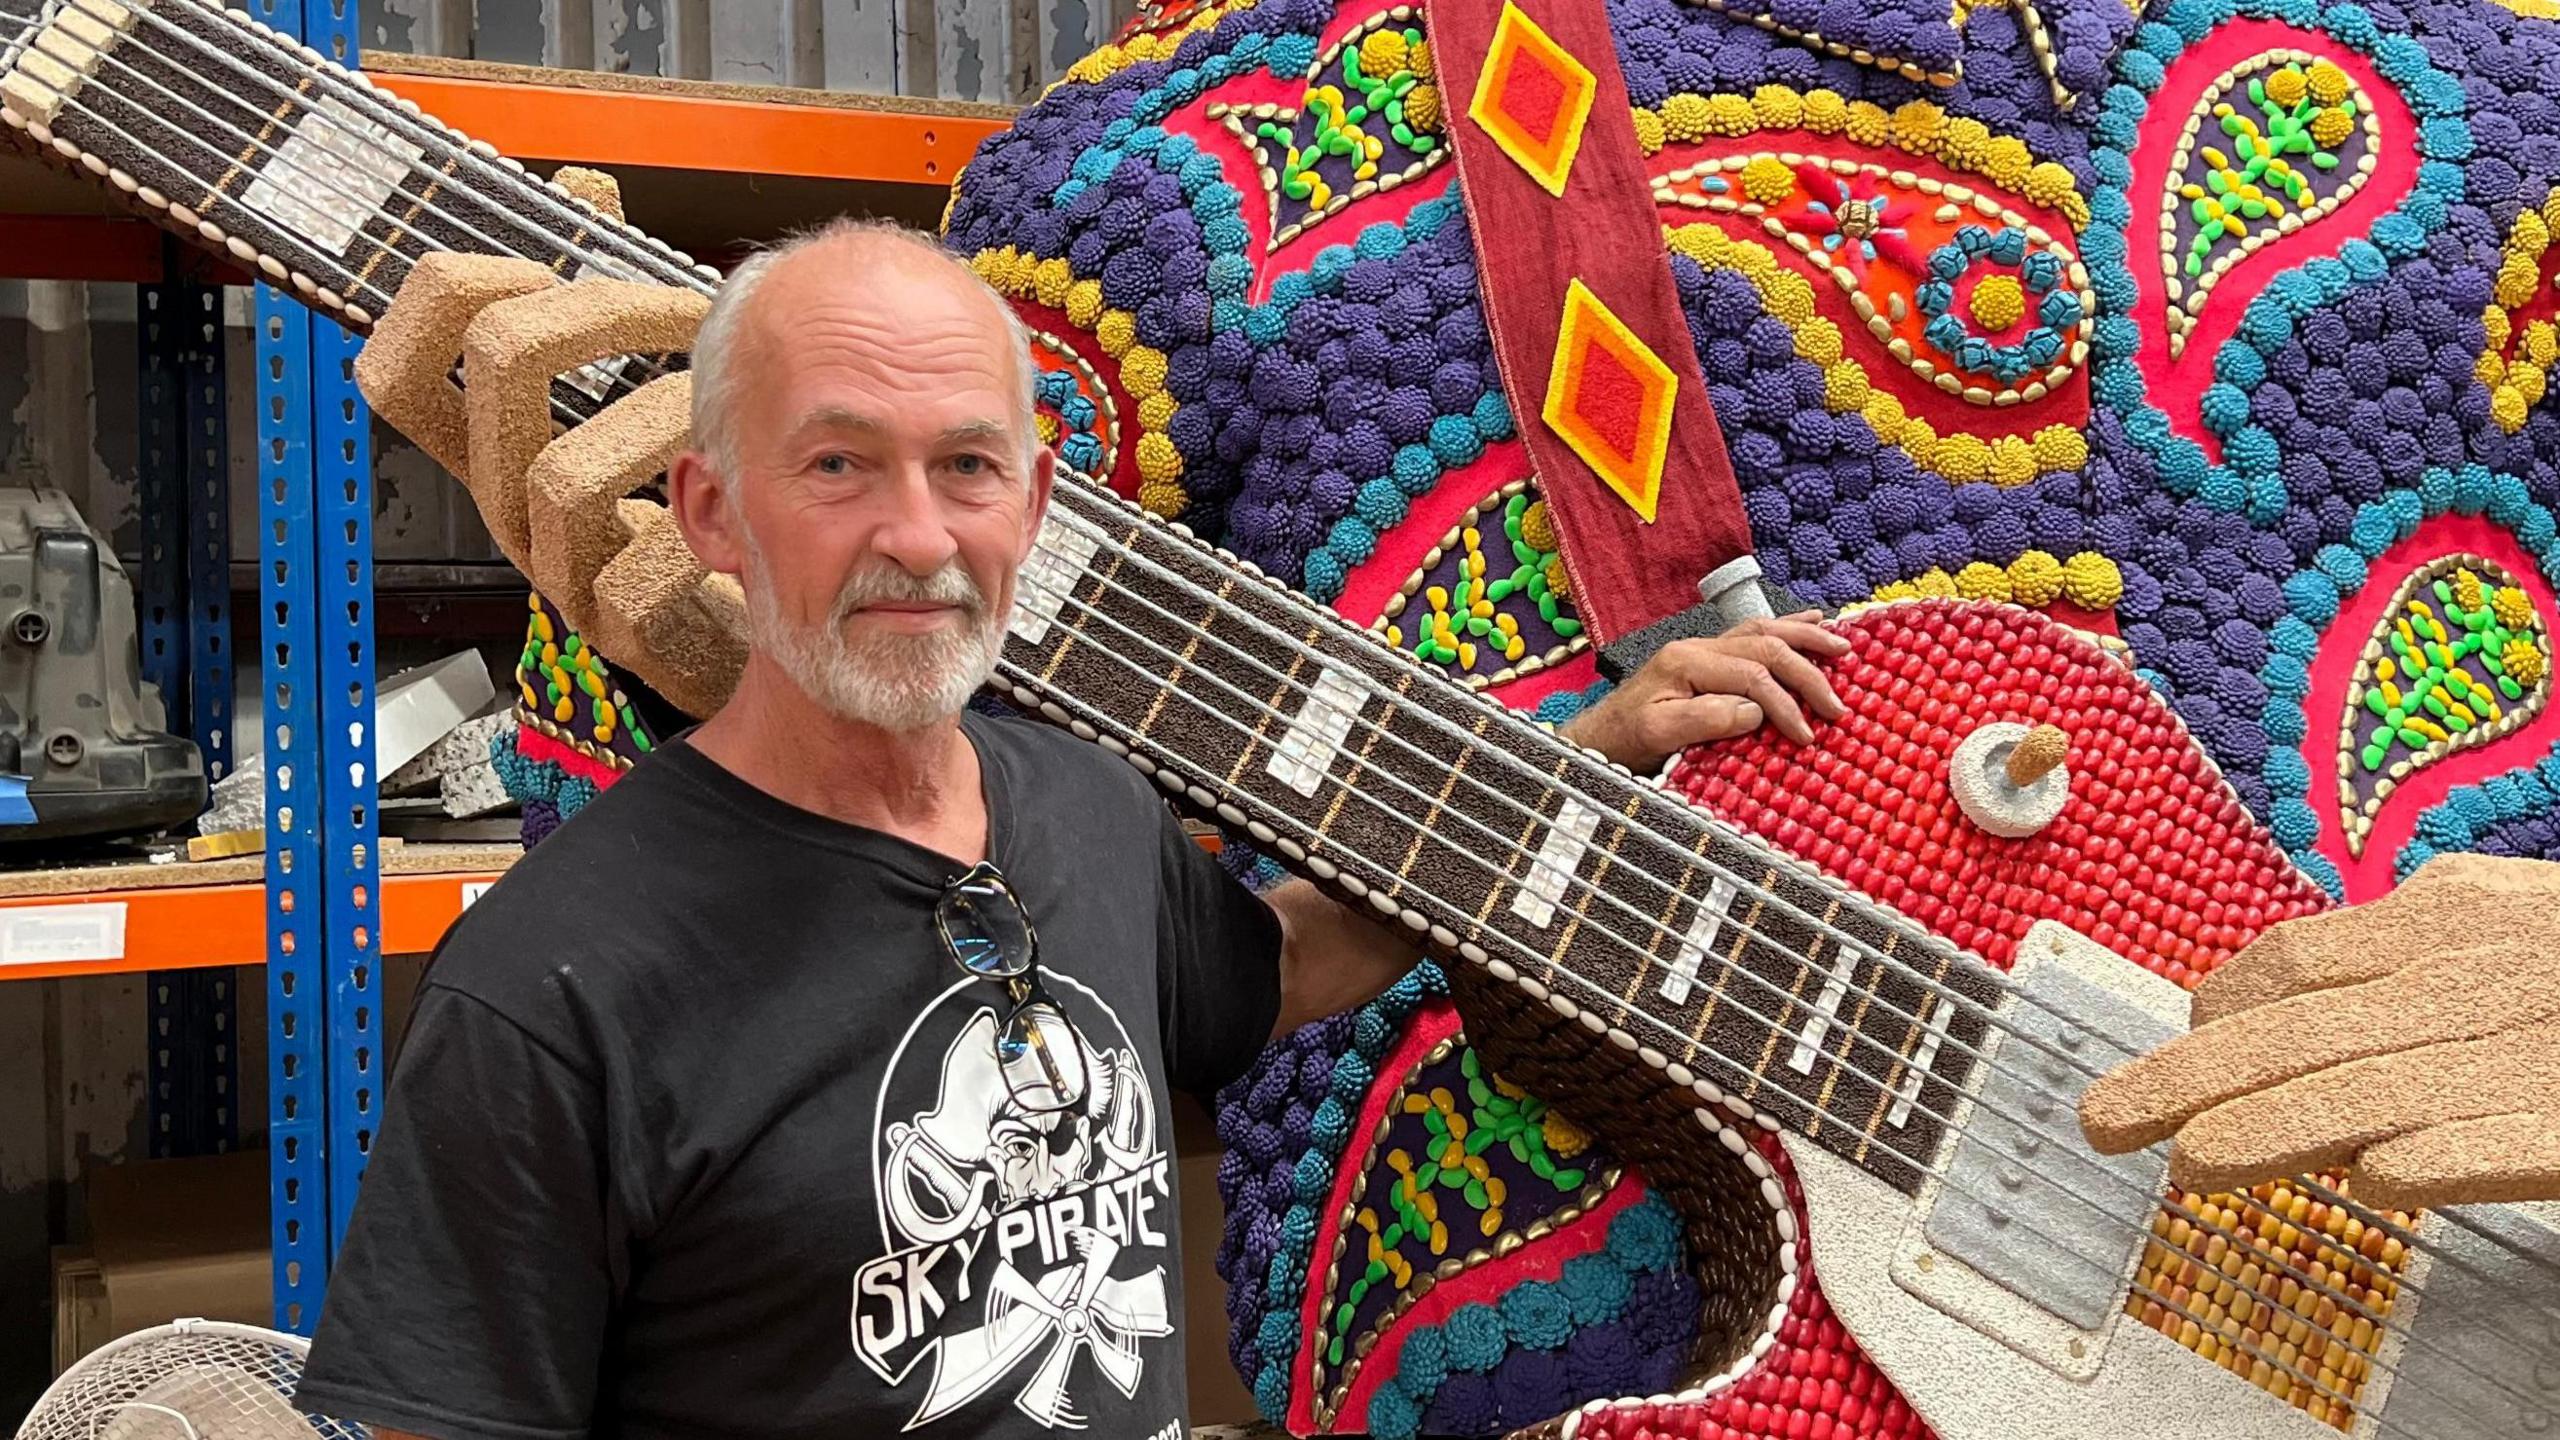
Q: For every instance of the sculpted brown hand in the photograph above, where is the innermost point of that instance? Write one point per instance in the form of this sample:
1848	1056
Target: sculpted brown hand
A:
559	503
2416	1039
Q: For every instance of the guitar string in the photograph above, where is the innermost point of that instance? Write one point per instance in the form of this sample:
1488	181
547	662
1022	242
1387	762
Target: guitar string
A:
1784	998
1646	922
2140	1231
374	99
561	409
394	112
428	242
293	97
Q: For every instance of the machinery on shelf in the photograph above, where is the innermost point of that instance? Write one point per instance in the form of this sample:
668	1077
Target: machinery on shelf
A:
85	750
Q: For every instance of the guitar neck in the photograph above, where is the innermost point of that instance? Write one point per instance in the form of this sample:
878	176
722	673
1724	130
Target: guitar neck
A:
1739	974
1699	950
259	147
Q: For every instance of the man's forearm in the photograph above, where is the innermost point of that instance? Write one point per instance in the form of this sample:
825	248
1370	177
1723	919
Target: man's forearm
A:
1332	957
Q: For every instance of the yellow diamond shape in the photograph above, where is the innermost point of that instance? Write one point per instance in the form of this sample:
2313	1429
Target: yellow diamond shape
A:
1532	98
1610	397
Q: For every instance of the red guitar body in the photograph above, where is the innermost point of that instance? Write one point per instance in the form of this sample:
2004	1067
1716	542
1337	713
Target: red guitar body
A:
2151	856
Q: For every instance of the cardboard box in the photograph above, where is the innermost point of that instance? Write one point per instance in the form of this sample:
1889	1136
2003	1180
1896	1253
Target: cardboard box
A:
170	1239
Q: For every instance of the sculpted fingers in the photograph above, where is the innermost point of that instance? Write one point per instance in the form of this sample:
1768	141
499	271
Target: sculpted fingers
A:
2461	996
2496	1159
2293	957
2474	901
2322	1120
511	354
683	628
576	489
406	368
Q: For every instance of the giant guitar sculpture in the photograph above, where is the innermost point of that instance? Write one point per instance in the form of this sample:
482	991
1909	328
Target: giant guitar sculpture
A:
1835	1001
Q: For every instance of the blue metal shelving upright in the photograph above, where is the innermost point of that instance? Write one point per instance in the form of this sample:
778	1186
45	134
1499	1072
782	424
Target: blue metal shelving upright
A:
183	464
315	528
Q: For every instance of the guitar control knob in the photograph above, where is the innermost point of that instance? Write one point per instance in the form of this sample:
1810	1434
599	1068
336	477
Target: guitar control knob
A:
2011	779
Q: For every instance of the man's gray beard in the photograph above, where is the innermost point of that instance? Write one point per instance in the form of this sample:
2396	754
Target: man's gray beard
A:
892	682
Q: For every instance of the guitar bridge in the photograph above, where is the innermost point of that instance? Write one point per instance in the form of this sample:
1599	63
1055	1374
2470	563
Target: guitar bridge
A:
2029	1236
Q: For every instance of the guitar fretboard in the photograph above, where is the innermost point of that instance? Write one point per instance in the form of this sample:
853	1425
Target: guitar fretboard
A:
285	158
1697	949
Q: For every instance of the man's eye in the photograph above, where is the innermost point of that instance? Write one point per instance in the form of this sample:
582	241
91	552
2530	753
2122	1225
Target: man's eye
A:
969	464
835	464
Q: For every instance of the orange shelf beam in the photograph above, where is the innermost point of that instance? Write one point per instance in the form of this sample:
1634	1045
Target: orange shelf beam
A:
687	130
202	926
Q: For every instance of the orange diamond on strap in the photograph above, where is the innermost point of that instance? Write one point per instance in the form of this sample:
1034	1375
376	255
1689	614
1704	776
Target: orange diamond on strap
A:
1532	97
1609	397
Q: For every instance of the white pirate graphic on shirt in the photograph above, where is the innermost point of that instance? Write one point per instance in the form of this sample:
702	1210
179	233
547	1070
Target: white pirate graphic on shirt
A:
1023	1247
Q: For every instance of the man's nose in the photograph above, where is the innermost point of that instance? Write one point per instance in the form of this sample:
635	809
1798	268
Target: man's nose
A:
915	533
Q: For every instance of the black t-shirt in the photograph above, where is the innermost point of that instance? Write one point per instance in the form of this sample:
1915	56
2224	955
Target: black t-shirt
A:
698	1129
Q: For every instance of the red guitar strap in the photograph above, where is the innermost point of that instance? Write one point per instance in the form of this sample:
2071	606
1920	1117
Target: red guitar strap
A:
1586	323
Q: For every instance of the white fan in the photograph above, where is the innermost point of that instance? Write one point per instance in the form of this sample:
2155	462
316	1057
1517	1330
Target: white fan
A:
194	1380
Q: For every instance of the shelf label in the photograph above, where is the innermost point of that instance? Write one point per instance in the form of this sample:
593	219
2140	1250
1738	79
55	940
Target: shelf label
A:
472	890
62	934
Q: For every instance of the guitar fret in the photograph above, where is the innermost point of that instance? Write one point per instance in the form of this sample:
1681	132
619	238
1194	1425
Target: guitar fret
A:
1315	734
1699	941
1840	1064
1725	972
1552	868
1826	1007
1376	732
1190	649
1603	874
1938	1012
1271	705
1439	803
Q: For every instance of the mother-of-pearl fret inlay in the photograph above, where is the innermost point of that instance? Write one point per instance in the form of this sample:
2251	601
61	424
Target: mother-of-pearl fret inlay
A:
332	174
1558	857
1316	734
1067	543
1683	974
1826	1006
1907	1094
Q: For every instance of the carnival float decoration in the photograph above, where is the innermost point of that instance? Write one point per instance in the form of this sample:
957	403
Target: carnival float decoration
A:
2158	395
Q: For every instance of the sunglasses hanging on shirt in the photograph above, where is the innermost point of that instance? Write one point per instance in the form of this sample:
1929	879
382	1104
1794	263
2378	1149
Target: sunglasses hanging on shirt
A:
987	934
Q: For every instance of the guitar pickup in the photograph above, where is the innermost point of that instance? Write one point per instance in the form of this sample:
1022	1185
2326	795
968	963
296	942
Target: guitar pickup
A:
2029	1235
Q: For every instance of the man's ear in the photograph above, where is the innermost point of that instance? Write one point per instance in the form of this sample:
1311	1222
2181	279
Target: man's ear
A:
713	527
1044	480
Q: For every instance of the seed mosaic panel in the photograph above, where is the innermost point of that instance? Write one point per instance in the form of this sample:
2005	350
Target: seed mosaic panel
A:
2223	328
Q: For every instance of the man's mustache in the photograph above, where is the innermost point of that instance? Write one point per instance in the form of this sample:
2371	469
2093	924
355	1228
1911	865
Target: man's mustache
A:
892	584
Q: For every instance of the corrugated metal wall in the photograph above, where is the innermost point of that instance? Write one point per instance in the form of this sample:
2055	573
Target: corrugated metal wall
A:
994	50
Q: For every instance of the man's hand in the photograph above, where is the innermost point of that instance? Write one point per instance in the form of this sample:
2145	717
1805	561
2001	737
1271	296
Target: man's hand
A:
2416	1038
1694	691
